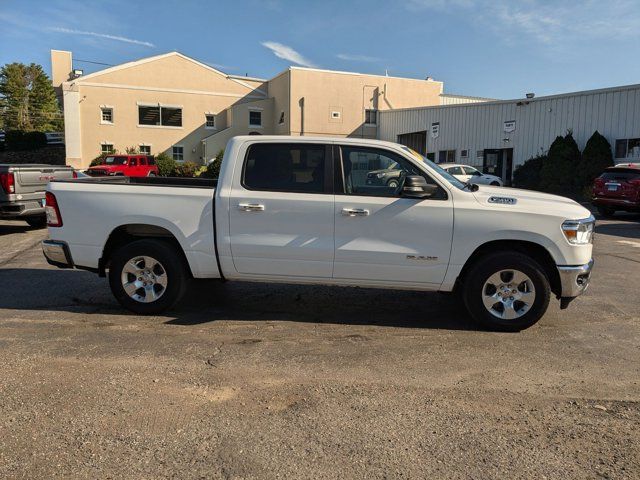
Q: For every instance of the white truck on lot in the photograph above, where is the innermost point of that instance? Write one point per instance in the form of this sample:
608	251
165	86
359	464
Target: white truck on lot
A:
310	210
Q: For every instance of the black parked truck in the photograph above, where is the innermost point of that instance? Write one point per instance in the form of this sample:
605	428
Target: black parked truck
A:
22	189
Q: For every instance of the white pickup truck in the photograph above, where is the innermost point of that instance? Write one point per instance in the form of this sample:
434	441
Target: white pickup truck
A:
313	210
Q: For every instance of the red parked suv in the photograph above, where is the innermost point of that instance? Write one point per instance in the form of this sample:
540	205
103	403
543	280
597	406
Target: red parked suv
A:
125	165
618	188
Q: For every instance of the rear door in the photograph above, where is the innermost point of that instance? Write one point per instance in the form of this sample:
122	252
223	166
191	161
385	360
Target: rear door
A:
281	211
382	237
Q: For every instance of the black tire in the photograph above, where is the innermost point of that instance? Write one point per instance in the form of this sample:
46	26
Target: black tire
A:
151	174
495	184
606	211
36	221
176	271
491	264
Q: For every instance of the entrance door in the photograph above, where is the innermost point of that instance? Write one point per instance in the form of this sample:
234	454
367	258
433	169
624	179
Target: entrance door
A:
380	236
281	219
499	162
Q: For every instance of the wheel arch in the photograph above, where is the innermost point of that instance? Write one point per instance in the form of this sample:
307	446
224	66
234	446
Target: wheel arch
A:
124	234
534	250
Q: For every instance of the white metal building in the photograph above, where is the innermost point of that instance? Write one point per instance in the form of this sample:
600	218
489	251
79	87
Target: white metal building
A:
497	136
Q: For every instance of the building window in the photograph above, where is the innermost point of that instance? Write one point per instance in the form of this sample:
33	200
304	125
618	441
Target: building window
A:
177	152
145	149
371	117
464	153
628	148
255	118
106	115
158	115
446	156
106	148
210	120
281	121
335	114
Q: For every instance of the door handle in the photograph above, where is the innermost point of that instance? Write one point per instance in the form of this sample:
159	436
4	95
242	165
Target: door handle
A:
355	212
251	207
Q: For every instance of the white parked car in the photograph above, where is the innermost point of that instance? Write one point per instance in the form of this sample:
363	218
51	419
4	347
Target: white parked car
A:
306	210
465	173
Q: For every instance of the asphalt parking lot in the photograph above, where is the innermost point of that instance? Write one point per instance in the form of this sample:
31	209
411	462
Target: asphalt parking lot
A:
262	381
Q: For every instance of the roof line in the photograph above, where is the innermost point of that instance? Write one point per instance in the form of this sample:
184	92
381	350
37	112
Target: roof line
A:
341	72
142	61
523	100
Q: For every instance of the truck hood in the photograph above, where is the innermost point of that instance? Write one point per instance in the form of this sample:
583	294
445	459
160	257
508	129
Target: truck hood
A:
530	201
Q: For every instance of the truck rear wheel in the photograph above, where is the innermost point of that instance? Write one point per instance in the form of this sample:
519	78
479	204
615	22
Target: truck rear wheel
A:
506	291
147	276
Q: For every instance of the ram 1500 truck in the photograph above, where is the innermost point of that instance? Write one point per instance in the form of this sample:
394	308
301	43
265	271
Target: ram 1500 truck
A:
300	210
22	189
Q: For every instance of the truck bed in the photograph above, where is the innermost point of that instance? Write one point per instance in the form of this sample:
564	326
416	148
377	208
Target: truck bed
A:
150	181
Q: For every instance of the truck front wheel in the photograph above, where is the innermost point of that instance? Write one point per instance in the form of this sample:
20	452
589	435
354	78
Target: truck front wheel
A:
147	277
506	291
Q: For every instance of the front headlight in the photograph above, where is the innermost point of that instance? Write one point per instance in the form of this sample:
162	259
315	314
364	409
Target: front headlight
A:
579	232
380	175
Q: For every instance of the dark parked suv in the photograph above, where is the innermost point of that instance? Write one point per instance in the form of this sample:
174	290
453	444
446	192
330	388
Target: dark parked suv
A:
618	188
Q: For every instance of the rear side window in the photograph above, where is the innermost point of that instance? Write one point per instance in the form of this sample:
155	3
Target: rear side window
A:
455	171
133	162
285	167
621	175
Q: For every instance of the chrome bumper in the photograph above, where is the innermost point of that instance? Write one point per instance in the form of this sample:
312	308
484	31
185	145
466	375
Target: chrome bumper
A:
57	253
575	280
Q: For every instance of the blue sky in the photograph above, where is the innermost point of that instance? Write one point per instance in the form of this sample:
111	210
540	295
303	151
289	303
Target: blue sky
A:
498	48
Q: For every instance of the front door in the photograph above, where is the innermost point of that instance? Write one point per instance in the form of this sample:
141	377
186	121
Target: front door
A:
381	237
281	211
499	162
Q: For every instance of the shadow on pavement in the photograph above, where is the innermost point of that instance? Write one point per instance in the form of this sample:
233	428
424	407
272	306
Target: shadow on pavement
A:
17	227
209	300
619	229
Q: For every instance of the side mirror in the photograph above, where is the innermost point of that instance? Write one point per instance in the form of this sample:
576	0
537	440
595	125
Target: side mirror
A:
416	186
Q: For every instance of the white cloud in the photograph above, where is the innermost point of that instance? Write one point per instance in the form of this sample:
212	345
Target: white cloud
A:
287	53
357	58
545	22
102	35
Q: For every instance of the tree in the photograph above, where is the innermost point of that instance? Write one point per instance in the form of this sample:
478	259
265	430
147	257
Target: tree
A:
560	165
527	175
595	158
28	101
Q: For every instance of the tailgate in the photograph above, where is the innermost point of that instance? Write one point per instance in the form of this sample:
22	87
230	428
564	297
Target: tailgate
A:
34	179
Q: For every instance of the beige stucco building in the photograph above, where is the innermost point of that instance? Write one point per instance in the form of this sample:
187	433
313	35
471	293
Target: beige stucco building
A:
172	103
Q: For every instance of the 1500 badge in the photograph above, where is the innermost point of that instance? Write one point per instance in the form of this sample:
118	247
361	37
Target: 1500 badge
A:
503	200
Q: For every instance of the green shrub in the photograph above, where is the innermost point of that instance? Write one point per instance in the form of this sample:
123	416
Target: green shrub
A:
595	158
133	150
213	167
20	140
527	175
166	165
186	169
558	173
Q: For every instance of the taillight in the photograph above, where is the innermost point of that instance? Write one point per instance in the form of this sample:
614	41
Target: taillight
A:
75	174
8	182
54	219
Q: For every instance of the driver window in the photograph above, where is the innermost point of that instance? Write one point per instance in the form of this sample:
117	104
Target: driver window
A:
472	171
133	162
375	172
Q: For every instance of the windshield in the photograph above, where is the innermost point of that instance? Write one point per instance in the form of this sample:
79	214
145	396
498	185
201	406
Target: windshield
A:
441	171
115	160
